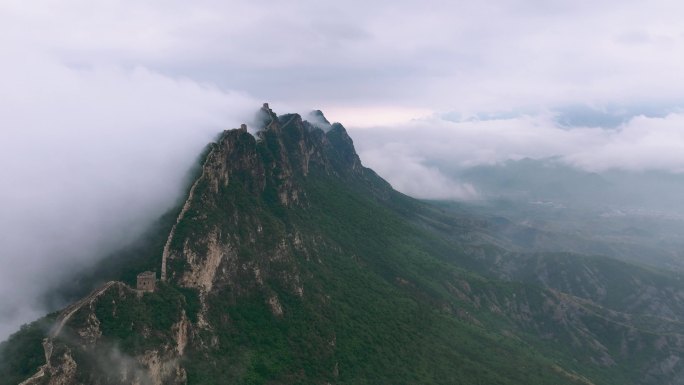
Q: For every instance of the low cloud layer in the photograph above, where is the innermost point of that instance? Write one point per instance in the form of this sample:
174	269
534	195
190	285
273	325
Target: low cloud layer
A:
89	158
409	172
417	156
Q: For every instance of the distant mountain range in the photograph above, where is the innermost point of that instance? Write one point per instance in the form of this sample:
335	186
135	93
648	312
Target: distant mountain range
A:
553	180
633	216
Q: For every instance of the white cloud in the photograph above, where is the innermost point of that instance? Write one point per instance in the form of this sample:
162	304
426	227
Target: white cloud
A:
411	176
418	156
640	144
89	158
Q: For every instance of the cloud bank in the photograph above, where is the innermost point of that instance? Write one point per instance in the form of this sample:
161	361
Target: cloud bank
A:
417	157
103	107
89	158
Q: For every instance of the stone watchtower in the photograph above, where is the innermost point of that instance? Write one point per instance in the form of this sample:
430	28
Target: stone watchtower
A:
146	281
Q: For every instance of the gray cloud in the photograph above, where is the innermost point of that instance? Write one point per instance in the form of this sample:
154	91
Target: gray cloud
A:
447	55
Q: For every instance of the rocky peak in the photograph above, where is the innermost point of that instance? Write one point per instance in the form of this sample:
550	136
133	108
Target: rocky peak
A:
318	114
317	118
285	147
291	263
266	172
344	147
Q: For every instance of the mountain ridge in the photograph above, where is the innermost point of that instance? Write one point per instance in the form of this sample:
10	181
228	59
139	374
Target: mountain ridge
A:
290	262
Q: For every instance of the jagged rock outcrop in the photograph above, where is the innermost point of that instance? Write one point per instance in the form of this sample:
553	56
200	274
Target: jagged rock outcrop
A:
290	262
266	172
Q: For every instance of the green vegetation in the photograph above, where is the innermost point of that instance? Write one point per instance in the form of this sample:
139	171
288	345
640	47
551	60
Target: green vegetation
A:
374	287
136	324
22	353
355	325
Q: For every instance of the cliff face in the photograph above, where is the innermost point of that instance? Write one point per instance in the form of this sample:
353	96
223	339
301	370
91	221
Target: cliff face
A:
290	262
234	231
233	239
117	335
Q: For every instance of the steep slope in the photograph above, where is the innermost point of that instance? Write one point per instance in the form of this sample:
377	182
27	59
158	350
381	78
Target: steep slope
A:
292	263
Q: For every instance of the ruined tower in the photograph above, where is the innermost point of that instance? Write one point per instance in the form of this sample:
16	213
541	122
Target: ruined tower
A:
146	281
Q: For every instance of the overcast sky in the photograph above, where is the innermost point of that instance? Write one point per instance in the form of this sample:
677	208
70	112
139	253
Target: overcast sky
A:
104	105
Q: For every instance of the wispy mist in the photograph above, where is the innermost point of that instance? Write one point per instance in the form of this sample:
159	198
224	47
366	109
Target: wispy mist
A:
90	157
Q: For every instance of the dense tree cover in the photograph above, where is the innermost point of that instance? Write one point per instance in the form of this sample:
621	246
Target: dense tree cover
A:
22	353
391	293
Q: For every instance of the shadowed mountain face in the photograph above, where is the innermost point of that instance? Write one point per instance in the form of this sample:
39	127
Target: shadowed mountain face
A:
290	262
